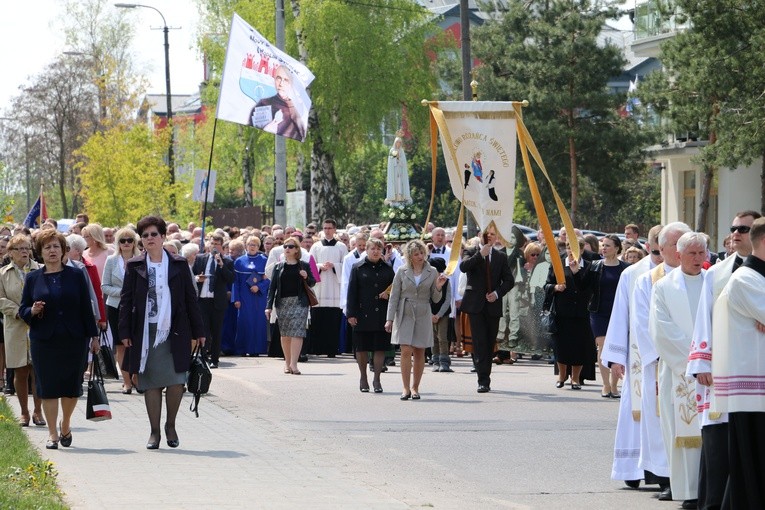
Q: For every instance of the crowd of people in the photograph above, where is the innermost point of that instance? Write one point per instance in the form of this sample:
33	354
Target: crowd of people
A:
158	290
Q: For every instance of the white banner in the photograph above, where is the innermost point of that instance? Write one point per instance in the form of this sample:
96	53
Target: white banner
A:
479	151
262	86
201	186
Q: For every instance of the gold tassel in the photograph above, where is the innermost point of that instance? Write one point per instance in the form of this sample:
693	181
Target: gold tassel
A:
636	415
688	442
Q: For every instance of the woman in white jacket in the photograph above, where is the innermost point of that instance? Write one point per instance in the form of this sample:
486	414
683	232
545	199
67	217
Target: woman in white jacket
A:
126	247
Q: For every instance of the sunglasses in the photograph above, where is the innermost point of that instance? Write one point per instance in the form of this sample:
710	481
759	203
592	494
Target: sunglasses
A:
742	229
127	241
146	235
289	246
533	254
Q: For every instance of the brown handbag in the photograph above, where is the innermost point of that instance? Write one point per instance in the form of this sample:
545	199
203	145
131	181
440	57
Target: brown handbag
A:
312	299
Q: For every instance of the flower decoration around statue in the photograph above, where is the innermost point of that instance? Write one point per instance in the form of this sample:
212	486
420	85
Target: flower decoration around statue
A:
401	225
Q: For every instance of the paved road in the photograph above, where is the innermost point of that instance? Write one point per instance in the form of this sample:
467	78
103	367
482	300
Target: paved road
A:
269	440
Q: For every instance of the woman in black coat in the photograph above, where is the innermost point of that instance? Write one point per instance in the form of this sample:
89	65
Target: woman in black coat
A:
573	341
366	308
56	305
159	317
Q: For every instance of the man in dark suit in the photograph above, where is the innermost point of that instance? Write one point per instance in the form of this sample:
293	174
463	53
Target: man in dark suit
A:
213	274
488	279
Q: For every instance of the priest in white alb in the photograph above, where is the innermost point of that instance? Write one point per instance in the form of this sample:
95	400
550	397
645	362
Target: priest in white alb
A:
621	355
713	476
738	372
653	454
674	304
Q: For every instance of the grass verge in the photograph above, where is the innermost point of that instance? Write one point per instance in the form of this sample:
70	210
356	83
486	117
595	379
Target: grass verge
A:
26	480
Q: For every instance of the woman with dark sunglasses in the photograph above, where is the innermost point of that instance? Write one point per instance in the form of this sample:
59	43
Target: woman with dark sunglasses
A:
287	293
159	317
125	248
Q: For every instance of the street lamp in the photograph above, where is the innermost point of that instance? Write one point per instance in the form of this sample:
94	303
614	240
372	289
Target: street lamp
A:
165	29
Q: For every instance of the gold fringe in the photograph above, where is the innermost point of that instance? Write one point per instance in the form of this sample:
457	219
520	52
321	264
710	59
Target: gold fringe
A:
688	442
507	114
636	415
714	415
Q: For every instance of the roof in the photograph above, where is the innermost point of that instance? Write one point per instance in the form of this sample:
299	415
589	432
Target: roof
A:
181	103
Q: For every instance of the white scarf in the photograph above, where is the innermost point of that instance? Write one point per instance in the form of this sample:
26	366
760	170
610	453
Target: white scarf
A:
164	307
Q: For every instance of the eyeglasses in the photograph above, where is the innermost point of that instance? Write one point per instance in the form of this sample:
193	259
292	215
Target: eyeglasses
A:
146	235
289	246
742	229
533	254
655	252
127	240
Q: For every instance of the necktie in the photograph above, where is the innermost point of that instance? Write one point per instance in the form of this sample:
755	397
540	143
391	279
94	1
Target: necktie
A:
488	274
212	267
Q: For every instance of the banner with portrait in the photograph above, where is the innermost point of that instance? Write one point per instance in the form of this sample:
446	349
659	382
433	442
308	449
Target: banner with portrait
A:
262	86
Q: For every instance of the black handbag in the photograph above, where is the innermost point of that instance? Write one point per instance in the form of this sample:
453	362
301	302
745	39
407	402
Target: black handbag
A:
97	408
200	376
547	319
106	358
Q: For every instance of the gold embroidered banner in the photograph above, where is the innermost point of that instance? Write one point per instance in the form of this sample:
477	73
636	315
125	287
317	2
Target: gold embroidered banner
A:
479	143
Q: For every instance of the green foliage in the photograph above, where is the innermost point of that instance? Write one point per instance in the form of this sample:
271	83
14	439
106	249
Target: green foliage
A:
124	178
713	85
547	52
26	481
369	61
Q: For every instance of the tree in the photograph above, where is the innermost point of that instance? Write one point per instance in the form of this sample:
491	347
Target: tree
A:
712	86
124	177
547	51
100	36
58	112
369	61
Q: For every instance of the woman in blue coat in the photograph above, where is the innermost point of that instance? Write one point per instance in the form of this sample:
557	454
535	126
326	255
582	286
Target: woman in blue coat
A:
56	305
249	295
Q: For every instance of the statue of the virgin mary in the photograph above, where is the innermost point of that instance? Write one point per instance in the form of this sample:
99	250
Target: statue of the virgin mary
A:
398	174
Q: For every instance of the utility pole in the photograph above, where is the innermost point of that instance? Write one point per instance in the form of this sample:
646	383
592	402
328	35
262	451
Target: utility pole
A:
280	146
467	91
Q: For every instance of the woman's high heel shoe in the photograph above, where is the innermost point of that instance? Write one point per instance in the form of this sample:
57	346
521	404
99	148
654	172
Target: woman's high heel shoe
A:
153	443
377	386
406	396
560	384
172	443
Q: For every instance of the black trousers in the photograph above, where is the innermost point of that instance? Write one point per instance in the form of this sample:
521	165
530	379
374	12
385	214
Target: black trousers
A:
746	454
213	320
713	470
484	329
325	330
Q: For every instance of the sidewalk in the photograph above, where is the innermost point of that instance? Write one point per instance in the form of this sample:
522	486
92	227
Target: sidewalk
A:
268	440
224	460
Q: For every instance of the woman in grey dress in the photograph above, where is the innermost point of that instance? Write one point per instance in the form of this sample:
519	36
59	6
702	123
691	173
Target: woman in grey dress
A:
409	315
158	319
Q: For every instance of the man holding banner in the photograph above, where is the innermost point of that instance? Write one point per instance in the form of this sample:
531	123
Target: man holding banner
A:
488	279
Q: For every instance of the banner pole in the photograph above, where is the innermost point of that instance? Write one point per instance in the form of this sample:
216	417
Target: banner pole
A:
207	188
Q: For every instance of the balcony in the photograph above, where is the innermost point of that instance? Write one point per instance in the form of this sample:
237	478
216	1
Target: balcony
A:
655	21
